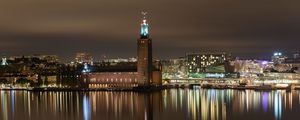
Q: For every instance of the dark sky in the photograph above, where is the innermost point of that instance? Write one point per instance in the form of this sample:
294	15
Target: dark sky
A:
246	28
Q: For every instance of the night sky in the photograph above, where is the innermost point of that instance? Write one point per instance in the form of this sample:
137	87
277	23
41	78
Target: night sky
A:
246	28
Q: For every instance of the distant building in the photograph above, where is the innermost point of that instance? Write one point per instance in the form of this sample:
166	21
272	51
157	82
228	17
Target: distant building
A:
278	58
50	58
251	68
35	68
84	58
174	68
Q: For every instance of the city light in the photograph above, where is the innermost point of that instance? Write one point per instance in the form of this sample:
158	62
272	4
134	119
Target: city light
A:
191	60
4	62
86	68
277	54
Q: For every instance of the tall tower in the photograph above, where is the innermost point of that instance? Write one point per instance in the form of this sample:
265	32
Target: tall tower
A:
144	54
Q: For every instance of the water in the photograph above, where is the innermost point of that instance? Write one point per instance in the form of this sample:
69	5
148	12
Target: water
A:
172	104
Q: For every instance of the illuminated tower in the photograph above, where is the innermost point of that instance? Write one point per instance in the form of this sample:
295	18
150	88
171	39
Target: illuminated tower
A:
144	54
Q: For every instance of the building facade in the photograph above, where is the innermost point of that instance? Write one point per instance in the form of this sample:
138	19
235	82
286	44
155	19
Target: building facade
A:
206	62
113	80
174	68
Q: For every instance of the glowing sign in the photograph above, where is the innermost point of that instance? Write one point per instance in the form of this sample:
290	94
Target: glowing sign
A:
215	75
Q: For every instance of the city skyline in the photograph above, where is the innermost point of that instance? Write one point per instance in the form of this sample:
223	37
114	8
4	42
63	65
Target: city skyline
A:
253	29
151	60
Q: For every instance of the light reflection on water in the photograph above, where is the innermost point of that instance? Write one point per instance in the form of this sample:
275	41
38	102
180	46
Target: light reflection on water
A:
167	104
86	108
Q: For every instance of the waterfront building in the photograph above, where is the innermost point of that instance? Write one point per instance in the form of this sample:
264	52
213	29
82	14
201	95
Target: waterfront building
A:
33	69
200	64
174	68
142	74
288	66
251	68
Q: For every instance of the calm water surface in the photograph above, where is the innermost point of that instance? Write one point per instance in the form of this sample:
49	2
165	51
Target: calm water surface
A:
172	104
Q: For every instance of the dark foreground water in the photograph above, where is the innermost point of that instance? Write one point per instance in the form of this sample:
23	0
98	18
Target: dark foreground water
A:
173	104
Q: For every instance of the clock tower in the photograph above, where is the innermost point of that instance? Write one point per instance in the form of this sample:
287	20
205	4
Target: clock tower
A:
144	54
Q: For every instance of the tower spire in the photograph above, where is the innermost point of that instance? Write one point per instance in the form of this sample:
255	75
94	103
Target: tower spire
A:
144	14
144	27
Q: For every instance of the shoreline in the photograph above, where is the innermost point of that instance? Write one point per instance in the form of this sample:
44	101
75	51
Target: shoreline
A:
38	89
154	89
